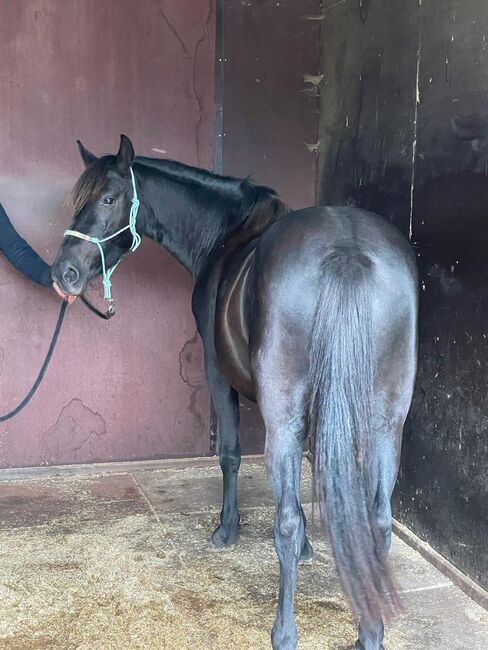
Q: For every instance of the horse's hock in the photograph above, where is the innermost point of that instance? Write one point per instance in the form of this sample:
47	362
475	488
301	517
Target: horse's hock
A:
123	560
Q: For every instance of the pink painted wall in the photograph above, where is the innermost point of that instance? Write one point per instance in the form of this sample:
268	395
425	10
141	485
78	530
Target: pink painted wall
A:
132	388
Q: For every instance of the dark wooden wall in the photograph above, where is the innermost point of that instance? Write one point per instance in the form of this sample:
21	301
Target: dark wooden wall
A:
403	131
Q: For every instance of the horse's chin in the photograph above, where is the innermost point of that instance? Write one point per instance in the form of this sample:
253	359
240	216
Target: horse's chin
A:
79	291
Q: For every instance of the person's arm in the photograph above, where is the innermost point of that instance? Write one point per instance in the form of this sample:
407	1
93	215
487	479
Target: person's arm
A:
20	254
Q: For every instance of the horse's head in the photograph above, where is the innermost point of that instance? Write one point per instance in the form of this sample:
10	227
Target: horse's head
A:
102	200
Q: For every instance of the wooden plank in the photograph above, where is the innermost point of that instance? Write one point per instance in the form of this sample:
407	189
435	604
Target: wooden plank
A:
443	490
367	115
464	582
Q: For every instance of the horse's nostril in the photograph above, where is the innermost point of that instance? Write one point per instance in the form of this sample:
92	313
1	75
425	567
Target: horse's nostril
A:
70	274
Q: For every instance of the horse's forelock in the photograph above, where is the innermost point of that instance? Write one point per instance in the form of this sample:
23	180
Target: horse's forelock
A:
90	184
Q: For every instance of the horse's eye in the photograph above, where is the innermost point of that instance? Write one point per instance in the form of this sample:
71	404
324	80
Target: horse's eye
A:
108	200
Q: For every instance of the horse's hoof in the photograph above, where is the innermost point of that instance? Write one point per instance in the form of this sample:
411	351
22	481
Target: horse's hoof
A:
306	556
223	538
359	646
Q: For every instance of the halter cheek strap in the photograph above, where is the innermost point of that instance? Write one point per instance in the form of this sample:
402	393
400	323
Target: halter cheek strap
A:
136	240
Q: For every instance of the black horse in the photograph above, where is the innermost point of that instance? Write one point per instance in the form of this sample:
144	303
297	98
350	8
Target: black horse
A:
311	313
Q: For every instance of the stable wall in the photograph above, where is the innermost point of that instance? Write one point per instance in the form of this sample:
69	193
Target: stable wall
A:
395	76
133	387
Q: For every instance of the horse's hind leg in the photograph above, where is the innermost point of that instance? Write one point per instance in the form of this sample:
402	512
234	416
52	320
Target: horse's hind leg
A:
285	427
393	397
226	405
387	457
283	459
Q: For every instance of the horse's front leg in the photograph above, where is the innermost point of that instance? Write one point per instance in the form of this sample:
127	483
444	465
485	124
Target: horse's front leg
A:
226	404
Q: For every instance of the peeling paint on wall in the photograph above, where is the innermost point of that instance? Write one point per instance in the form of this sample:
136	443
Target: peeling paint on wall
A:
73	433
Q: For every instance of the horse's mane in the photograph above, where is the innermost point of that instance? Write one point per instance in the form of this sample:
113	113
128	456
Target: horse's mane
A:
259	205
182	173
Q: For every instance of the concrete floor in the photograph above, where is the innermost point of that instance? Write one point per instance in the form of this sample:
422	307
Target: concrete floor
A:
122	561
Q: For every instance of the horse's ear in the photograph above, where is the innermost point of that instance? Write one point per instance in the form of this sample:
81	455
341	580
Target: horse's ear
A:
87	156
125	156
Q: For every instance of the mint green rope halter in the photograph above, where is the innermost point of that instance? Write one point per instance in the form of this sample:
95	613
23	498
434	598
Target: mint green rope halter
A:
136	240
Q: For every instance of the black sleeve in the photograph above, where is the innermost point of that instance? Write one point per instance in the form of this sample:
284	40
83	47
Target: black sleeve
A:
20	254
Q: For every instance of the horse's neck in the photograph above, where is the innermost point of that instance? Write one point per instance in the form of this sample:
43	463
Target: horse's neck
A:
186	219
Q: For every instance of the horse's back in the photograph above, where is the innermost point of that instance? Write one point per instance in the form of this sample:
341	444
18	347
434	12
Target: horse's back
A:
312	233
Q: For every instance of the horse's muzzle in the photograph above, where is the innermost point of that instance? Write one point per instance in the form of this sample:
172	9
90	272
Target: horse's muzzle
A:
68	277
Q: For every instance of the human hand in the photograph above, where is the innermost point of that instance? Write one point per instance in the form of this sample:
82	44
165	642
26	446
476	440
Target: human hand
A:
69	299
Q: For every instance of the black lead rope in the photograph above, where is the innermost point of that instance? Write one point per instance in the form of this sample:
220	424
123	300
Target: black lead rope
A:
105	315
54	340
42	372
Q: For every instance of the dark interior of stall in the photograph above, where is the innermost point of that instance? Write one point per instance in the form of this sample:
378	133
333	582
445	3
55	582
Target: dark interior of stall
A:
403	132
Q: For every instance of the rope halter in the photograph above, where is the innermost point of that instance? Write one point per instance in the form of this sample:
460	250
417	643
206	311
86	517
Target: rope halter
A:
136	240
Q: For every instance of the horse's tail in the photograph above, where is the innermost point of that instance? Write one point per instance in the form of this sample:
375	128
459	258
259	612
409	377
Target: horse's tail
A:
341	375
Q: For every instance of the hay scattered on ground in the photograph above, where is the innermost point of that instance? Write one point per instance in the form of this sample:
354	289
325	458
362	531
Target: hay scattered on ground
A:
96	576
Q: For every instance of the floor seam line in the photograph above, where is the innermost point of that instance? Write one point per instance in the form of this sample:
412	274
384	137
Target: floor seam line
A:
414	590
147	500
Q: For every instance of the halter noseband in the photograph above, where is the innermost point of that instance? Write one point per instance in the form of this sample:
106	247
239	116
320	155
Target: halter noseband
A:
136	240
